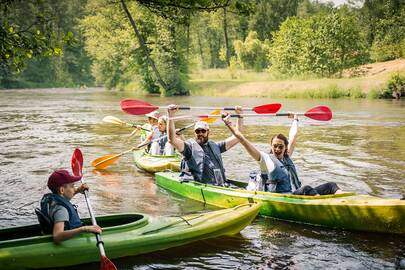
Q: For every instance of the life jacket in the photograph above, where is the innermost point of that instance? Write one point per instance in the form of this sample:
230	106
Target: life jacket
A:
194	166
162	143
283	175
74	219
162	147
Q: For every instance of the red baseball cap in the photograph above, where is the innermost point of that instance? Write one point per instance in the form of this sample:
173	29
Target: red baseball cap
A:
60	177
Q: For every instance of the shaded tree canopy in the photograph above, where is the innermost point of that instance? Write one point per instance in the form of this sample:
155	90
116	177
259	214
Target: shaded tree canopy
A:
27	30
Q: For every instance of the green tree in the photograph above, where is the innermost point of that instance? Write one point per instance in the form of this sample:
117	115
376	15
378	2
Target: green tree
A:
109	40
388	36
252	53
267	16
308	8
286	51
27	30
323	44
335	44
170	61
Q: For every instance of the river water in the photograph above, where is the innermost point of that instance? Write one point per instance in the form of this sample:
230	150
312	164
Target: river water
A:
362	149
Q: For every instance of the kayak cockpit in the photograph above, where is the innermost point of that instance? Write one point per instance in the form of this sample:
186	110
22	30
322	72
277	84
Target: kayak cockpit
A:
106	222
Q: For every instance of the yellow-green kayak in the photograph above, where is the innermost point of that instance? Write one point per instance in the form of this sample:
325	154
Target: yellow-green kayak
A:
154	163
123	235
344	211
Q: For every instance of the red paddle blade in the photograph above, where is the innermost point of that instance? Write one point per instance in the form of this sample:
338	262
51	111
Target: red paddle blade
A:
267	108
77	162
137	107
134	102
320	113
106	264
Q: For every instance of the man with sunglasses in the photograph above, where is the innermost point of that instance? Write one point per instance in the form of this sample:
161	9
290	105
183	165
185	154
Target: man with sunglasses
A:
202	160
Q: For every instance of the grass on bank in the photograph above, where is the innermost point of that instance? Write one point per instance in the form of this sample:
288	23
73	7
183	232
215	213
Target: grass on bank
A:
375	82
218	82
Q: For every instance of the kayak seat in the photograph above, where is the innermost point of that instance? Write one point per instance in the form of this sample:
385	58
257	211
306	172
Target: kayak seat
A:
44	221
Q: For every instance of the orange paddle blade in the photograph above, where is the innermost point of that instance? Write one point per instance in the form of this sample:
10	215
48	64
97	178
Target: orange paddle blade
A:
211	120
105	161
106	264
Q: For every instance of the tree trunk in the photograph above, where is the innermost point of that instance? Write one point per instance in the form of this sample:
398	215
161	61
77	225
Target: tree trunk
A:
228	56
143	46
188	39
200	49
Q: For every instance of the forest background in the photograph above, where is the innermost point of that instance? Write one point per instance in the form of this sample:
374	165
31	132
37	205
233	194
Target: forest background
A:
278	48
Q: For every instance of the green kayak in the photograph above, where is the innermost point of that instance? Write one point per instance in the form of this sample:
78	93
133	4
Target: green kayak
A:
123	235
153	163
344	211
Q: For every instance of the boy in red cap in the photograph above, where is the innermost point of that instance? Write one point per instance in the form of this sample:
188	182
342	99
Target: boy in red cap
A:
56	206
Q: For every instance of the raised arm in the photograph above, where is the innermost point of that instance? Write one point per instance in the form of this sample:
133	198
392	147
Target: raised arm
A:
174	140
233	140
250	148
292	136
148	138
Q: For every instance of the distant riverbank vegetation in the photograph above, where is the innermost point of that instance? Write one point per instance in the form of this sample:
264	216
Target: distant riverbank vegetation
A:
378	80
270	48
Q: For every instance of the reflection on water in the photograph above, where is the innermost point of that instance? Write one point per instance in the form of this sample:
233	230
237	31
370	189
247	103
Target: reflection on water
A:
362	149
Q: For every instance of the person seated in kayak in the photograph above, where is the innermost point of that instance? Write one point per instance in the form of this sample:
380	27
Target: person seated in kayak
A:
154	132
202	160
160	144
277	171
152	124
56	206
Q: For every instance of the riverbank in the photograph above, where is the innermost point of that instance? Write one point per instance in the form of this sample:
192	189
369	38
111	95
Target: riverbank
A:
371	83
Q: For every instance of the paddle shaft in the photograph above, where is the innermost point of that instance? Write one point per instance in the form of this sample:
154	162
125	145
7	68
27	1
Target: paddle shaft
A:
267	114
158	139
138	126
274	114
240	115
193	107
117	121
100	243
105	161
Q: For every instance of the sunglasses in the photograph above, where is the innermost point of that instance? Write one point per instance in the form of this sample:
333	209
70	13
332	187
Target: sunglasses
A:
203	131
280	146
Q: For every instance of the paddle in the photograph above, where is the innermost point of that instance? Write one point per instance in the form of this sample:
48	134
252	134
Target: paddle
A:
77	165
320	113
114	120
139	107
107	160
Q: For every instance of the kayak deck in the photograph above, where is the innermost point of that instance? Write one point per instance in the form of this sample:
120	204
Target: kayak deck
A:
156	163
15	233
128	235
344	211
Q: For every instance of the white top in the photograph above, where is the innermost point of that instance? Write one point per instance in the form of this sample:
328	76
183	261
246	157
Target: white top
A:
266	163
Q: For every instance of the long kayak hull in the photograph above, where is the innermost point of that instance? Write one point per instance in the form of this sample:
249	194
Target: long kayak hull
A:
154	163
343	211
20	249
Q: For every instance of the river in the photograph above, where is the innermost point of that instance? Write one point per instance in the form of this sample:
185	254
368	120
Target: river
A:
362	149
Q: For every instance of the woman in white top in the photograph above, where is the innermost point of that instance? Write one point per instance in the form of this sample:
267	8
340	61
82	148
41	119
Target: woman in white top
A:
278	173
